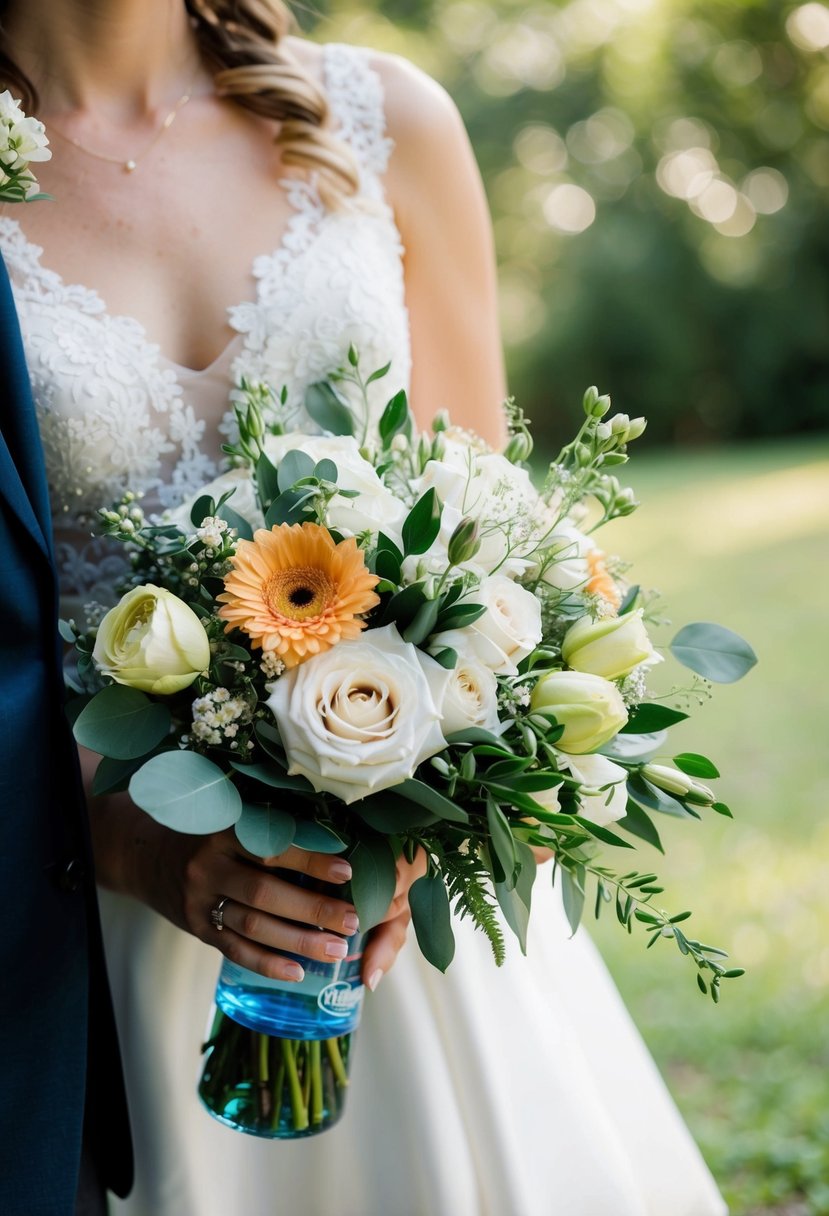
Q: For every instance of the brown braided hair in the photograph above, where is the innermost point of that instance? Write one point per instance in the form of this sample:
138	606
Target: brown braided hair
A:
241	40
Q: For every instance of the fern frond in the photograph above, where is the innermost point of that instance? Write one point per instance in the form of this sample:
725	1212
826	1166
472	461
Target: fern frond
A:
468	883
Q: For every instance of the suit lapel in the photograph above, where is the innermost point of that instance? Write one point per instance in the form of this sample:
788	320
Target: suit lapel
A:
22	475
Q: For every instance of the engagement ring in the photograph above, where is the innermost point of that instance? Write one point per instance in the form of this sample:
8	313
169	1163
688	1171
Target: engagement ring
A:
217	916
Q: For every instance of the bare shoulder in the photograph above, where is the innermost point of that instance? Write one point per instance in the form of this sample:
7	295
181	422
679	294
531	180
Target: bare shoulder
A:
418	109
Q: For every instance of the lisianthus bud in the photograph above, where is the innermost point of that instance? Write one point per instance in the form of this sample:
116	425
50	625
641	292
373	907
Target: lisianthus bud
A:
594	405
590	708
636	427
441	421
153	641
464	542
519	448
619	425
679	784
611	647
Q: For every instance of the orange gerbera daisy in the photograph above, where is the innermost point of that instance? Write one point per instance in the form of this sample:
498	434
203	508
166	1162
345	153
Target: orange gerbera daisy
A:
601	582
294	591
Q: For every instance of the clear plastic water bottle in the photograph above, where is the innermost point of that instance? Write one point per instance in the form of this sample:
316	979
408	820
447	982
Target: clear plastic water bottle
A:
278	1052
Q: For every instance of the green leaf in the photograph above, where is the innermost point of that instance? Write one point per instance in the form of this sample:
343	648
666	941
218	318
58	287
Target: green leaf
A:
529	783
573	896
122	723
328	410
447	657
423	623
286	508
326	470
516	903
657	800
603	834
422	524
476	734
201	508
114	774
629	600
695	765
317	838
66	632
432	920
270	741
235	520
635	747
293	467
272	775
395	418
75	705
648	717
423	795
639	823
267	481
502	840
460	615
379	374
387	812
265	830
373	880
186	792
713	651
404	606
721	809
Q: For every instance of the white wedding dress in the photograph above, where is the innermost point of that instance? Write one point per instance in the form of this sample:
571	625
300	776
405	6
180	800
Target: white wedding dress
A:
524	1091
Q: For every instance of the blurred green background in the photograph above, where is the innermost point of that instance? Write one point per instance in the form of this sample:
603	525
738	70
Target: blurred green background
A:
658	172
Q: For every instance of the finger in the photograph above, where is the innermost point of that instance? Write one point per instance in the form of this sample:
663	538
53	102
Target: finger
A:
278	934
256	958
398	905
384	944
408	872
324	866
265	892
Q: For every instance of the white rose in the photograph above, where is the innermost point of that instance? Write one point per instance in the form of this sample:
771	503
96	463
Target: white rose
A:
487	487
362	716
471	698
599	805
375	508
243	500
567	568
509	630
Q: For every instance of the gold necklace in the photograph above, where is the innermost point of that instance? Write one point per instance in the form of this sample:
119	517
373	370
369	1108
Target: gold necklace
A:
131	164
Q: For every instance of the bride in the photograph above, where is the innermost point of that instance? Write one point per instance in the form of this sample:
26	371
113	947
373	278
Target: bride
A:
231	199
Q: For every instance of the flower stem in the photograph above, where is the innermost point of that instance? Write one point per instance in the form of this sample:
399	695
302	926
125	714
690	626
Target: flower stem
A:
300	1111
315	1068
332	1047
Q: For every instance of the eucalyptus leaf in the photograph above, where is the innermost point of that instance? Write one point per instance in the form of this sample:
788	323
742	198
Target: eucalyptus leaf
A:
267	480
501	839
265	831
573	897
632	747
201	508
373	880
424	795
186	792
325	406
388	812
293	467
122	723
429	903
272	775
66	632
286	508
317	838
111	775
713	651
235	520
271	741
516	903
326	470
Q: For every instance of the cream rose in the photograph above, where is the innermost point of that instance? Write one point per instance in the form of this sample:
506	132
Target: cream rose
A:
471	698
611	647
590	708
375	508
509	630
153	641
362	716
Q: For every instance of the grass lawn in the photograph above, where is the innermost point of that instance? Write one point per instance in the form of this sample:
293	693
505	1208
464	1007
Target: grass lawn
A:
741	536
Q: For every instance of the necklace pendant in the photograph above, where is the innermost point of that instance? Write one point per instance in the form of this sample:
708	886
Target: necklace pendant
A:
130	166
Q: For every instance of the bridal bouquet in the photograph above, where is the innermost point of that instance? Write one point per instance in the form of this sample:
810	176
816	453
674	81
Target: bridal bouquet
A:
372	642
22	142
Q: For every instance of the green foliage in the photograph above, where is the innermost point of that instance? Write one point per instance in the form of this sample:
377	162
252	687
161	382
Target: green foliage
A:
431	917
186	792
122	723
467	880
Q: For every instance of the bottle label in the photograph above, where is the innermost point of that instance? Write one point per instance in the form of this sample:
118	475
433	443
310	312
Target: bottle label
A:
342	998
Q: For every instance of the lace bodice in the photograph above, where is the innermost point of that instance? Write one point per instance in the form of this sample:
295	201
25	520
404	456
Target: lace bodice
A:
116	414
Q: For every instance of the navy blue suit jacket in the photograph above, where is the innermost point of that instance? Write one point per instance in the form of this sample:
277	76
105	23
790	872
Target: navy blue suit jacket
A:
59	1061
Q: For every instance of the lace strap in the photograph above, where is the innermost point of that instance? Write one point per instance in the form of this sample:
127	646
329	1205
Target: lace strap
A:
355	95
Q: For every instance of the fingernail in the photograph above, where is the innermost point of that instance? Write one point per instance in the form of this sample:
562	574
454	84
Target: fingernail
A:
374	979
338	949
339	871
294	972
351	922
